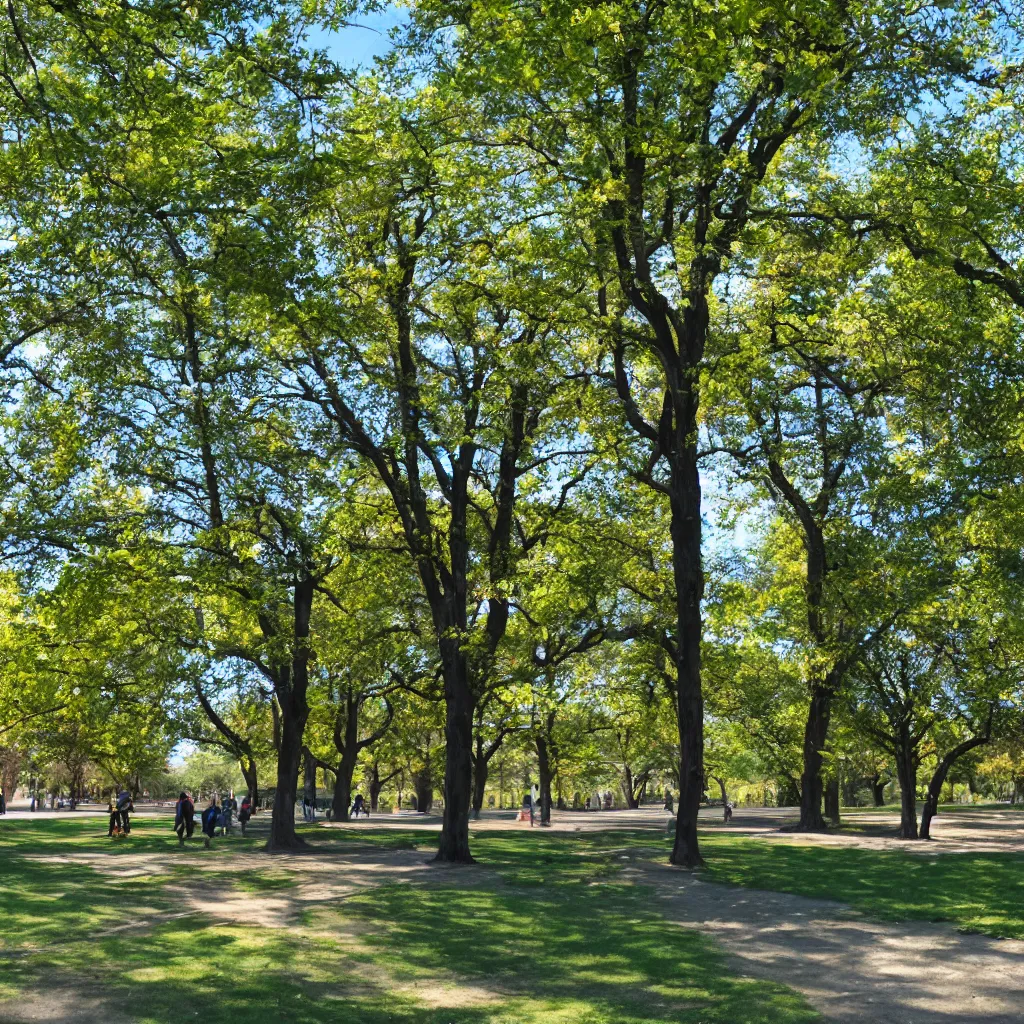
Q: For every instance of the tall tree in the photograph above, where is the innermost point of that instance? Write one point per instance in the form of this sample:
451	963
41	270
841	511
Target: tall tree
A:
663	125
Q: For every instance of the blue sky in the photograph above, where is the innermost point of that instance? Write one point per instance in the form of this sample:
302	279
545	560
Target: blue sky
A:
359	43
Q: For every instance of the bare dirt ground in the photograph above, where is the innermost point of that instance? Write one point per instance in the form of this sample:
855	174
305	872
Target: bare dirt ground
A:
851	969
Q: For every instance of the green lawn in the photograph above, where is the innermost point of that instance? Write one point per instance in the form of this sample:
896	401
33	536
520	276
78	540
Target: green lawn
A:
548	935
978	892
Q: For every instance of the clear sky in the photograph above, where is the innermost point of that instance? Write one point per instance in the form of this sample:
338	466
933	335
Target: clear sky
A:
359	43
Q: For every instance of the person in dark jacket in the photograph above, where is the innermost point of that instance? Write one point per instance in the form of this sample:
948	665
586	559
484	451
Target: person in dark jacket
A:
209	821
245	812
124	805
184	817
359	806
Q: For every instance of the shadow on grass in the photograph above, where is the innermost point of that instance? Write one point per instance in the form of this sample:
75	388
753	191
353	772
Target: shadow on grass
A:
590	954
979	892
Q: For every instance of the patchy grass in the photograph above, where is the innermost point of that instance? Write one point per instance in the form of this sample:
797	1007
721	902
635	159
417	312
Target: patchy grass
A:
559	941
978	892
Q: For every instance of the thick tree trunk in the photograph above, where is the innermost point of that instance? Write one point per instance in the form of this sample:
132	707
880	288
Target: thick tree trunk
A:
906	772
291	686
832	800
424	788
346	742
342	801
688	574
628	784
878	791
908	802
819	712
458	776
282	824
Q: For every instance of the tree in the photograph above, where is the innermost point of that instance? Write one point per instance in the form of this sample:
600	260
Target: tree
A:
663	126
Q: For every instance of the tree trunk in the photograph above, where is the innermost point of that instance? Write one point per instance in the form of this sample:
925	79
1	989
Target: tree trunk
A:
458	775
376	785
544	778
290	686
819	713
931	801
628	787
248	767
282	824
878	791
688	574
309	778
424	792
721	787
342	801
832	800
480	772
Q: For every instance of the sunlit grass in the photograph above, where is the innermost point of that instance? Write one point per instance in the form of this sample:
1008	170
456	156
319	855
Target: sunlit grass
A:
977	892
546	934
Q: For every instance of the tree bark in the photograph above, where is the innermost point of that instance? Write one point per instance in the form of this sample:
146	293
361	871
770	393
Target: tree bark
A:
342	802
376	785
309	777
481	769
878	791
819	713
688	574
453	846
290	685
832	800
424	792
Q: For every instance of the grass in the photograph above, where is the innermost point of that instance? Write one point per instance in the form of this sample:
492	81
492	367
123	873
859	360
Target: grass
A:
556	939
977	892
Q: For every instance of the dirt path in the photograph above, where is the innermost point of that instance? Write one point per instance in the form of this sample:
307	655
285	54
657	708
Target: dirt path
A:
853	970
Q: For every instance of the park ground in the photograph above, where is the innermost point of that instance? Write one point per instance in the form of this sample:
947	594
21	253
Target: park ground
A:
581	924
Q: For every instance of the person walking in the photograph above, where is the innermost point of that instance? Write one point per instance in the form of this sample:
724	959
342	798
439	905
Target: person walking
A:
209	821
184	817
3	803
245	812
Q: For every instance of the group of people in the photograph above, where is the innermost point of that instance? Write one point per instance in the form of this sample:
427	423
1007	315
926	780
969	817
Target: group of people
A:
119	810
215	817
